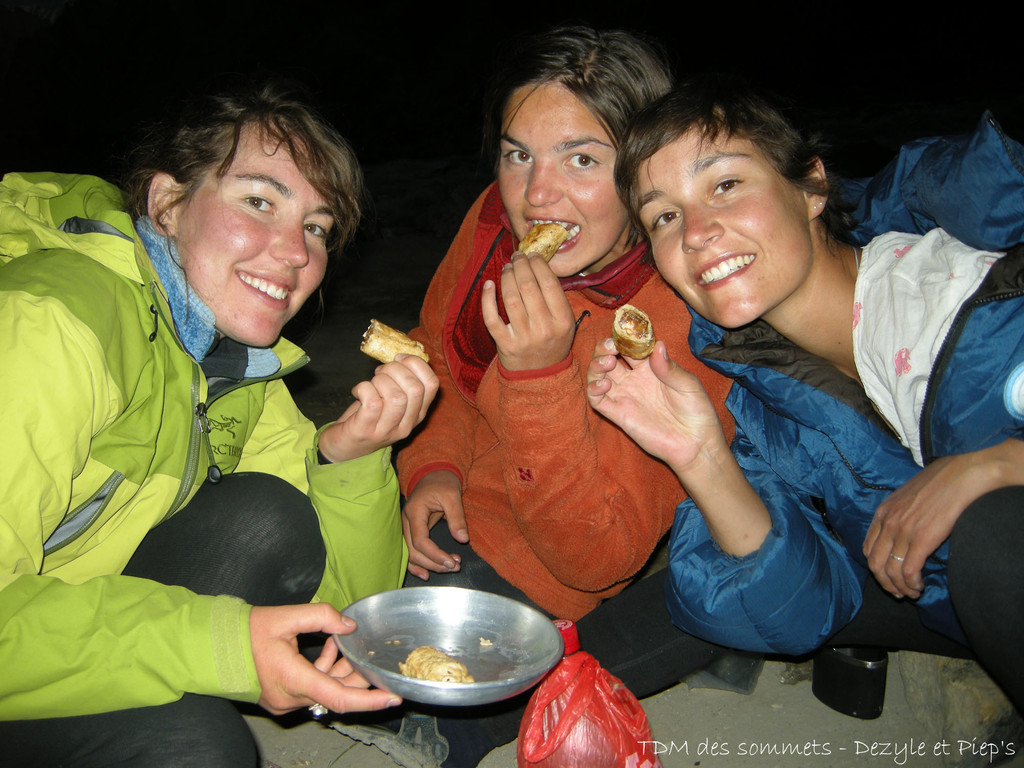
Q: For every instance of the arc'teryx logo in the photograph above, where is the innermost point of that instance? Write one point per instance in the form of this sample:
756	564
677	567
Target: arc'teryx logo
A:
225	447
226	425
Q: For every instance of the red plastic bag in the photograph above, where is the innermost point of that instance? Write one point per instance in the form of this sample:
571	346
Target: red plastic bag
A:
582	715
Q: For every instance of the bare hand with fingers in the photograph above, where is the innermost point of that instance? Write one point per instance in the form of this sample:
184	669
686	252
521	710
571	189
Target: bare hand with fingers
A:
540	326
437	496
667	412
912	523
657	403
289	681
387	409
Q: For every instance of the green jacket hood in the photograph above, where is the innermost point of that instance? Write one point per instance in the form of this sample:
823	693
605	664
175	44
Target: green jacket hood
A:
44	211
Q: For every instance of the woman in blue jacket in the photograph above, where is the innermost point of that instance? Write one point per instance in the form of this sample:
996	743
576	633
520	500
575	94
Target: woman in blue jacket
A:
879	406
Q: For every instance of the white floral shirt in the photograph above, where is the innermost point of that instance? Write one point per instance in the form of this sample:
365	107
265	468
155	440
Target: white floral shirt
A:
909	289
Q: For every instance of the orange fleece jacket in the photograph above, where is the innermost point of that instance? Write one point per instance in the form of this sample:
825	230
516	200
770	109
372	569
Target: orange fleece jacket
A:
558	500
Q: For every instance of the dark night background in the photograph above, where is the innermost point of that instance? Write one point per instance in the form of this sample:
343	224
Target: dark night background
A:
403	82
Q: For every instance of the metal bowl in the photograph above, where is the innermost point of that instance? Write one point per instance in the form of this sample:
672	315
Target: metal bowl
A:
506	646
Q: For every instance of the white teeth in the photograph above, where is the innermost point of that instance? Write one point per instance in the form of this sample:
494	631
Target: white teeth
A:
274	291
572	229
726	268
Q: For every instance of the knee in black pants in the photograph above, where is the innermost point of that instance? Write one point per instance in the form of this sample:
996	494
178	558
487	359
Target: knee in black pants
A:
986	584
197	731
251	535
985	557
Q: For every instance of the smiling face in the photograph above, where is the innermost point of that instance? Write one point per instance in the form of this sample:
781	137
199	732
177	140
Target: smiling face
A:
252	243
728	232
556	164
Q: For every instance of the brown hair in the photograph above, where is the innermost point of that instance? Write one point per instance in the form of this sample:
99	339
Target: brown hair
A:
722	107
613	73
205	138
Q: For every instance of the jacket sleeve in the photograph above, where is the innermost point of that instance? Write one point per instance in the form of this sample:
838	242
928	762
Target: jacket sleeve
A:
357	501
115	642
111	641
358	504
445	440
789	596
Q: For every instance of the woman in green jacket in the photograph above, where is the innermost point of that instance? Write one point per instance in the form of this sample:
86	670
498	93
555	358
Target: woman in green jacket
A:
170	523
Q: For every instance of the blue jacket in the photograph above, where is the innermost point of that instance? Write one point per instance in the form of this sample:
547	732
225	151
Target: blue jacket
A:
970	185
812	445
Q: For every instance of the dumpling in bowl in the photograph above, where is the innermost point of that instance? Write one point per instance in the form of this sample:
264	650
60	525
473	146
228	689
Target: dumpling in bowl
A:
428	663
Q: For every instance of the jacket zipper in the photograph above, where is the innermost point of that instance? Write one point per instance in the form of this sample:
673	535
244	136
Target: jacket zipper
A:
214	474
196	437
942	361
81	518
199	436
846	462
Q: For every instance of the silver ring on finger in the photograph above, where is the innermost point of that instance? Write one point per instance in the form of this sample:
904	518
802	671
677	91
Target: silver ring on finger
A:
897	558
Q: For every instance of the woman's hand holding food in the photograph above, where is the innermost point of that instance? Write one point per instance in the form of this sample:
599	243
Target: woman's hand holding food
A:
667	412
920	515
289	681
656	402
438	495
540	326
387	408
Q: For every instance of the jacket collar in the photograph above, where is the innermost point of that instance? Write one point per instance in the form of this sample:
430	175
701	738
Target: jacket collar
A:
756	355
194	320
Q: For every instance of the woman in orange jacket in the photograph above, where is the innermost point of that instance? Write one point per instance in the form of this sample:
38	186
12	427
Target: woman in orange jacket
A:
547	493
540	498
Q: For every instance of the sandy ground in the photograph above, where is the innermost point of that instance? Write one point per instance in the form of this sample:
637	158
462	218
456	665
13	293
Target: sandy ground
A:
781	724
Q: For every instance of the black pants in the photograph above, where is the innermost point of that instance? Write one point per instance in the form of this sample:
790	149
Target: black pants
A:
252	536
986	584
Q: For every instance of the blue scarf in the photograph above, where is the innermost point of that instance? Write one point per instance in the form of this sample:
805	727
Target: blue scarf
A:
193	320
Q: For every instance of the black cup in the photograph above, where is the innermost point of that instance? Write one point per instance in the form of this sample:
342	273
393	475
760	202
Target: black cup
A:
851	680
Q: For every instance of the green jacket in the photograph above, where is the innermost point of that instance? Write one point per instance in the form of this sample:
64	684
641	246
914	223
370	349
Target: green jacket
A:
108	429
